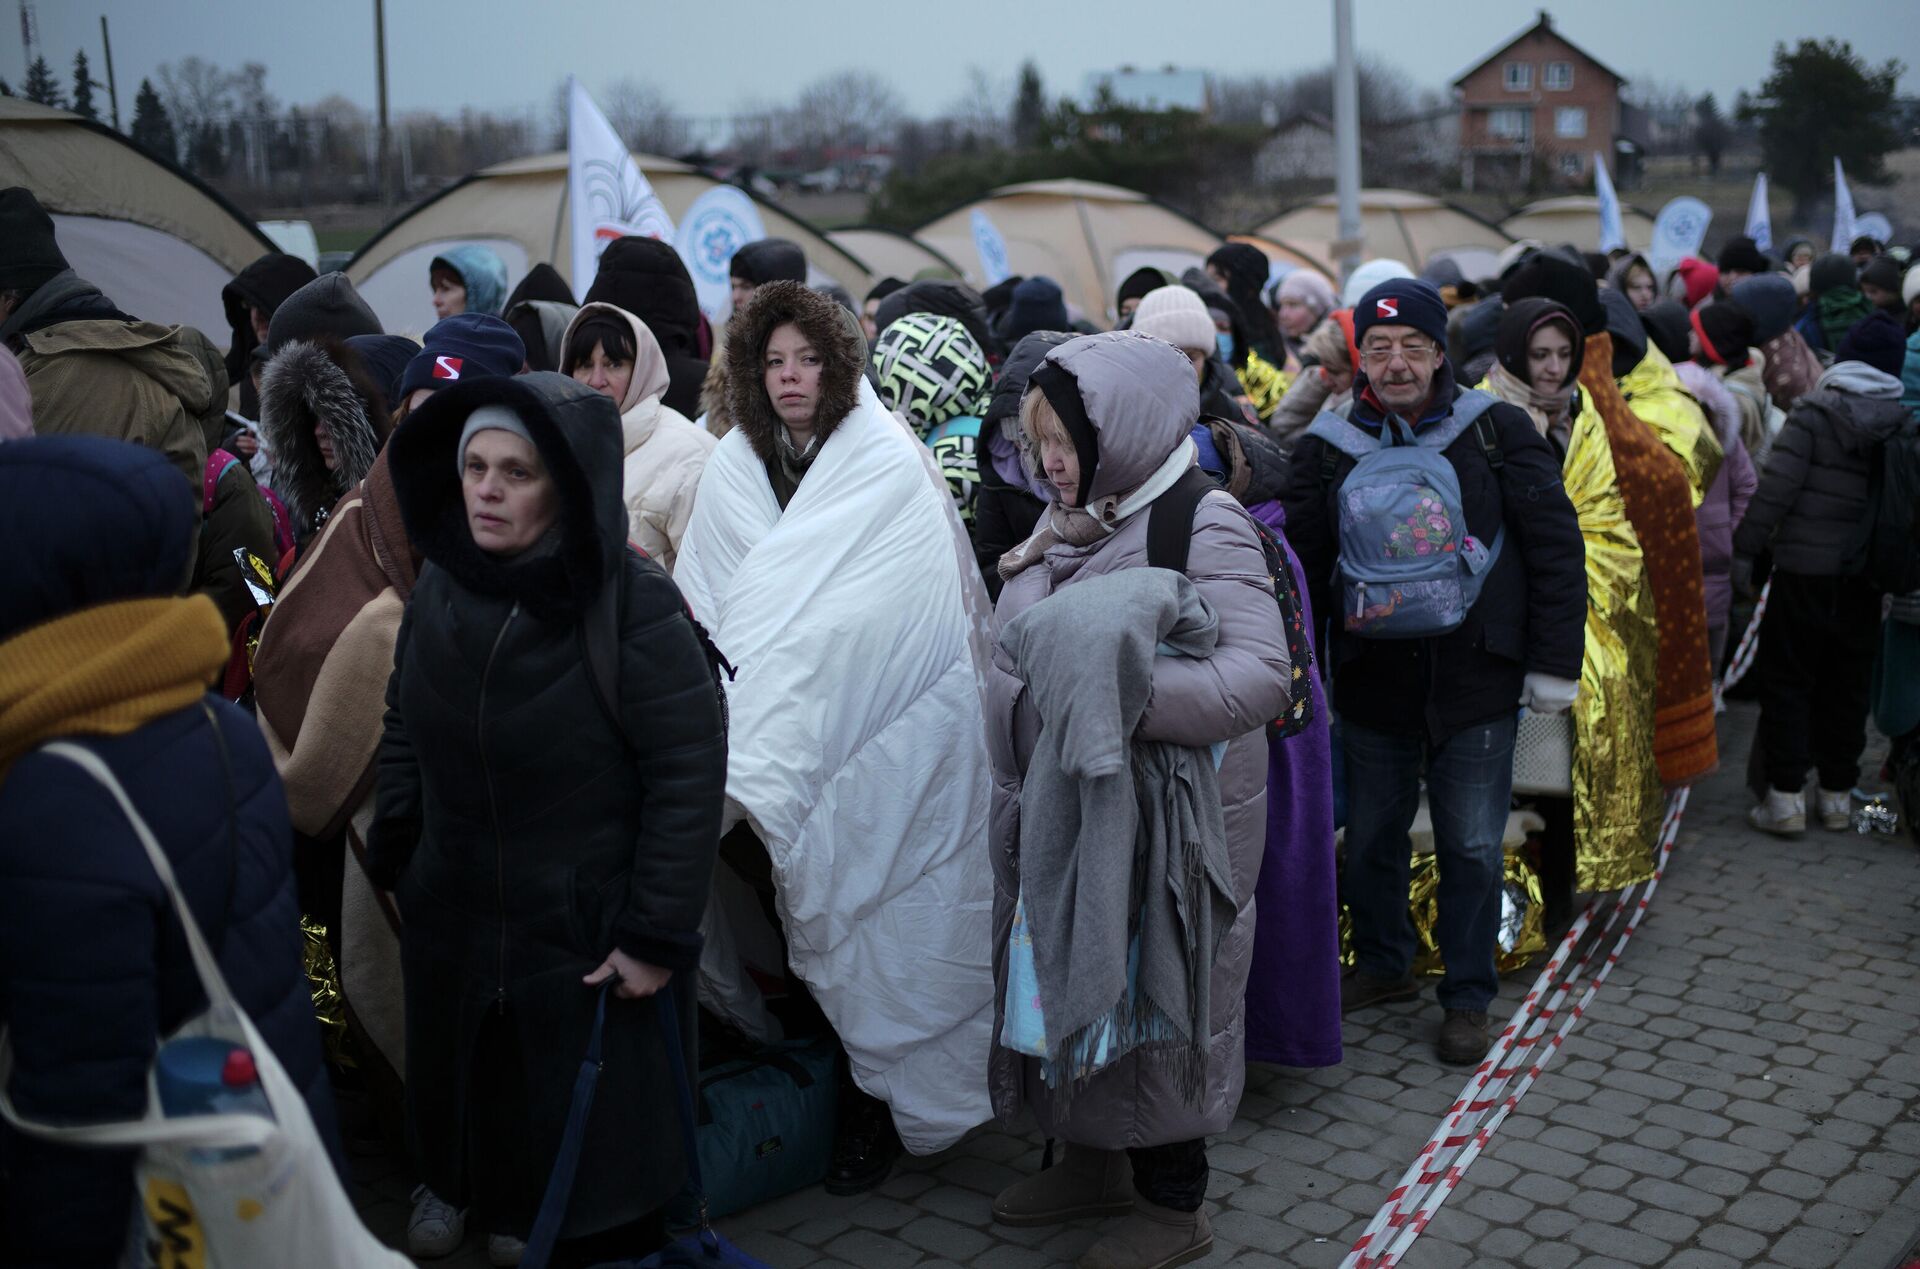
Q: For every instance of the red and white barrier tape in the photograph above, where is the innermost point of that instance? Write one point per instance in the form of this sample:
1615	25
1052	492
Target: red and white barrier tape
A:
1749	645
1444	1160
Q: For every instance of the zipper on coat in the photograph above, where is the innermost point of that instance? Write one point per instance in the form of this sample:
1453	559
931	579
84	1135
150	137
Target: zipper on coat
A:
493	806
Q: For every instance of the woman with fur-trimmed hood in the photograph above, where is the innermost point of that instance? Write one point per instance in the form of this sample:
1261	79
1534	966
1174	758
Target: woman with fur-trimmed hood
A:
322	418
826	558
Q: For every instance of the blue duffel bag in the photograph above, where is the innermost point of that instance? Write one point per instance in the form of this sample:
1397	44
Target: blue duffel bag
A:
765	1126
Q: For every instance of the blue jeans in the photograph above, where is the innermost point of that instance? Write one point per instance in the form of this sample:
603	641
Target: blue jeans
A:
1469	788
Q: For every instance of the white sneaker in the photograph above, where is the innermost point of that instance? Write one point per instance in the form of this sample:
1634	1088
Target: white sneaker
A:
1836	810
1782	814
436	1227
504	1250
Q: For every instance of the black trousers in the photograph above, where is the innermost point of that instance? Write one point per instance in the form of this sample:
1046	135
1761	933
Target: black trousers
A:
1173	1176
1818	641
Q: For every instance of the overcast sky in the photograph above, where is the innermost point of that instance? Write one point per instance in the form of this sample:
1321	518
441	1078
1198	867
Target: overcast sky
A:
711	56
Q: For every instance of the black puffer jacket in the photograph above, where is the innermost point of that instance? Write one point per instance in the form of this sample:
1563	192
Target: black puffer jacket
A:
1814	490
546	838
1532	610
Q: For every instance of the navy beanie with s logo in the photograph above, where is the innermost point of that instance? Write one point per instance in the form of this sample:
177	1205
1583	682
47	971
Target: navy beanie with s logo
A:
1402	302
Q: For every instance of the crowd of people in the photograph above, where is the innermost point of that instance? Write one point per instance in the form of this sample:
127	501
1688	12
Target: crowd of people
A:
943	677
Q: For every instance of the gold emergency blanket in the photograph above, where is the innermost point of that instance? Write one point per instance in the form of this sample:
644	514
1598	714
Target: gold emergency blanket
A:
1520	938
1617	800
1658	398
324	978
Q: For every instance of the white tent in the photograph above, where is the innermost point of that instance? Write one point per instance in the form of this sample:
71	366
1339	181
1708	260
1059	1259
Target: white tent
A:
1576	219
157	241
518	208
1394	223
891	253
1084	235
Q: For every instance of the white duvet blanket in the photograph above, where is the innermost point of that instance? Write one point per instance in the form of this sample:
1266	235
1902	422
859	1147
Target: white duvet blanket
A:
857	749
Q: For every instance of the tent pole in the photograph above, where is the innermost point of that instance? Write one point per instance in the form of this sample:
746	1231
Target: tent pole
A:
113	93
559	220
1346	139
380	67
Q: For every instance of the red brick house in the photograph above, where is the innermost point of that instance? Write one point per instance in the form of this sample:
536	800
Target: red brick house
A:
1536	106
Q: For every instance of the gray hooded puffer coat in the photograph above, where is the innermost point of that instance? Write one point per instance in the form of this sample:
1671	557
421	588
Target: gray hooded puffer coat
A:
1142	410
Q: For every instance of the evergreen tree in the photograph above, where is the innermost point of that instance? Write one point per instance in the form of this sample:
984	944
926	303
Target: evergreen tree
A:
1824	101
41	86
6	89
1029	107
83	87
152	130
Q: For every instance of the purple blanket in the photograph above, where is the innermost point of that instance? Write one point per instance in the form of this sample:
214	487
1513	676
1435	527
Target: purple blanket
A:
1293	991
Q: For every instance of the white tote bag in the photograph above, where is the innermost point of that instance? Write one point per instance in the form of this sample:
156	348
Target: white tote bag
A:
281	1204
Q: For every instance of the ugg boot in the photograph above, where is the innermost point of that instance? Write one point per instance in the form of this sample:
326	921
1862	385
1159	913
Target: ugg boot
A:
1086	1182
1152	1237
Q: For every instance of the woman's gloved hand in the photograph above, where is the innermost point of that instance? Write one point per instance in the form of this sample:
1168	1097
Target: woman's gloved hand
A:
1545	694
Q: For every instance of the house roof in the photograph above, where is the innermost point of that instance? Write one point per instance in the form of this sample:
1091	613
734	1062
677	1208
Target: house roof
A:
1543	23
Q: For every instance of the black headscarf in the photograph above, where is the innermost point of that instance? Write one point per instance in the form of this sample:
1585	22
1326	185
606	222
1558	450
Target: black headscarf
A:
1517	327
265	284
1246	268
943	299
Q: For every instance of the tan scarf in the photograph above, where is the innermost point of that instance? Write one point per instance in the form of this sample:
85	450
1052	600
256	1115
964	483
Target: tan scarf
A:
1552	412
106	670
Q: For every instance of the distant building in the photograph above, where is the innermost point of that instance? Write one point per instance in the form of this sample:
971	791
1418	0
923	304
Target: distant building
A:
1537	102
1168	88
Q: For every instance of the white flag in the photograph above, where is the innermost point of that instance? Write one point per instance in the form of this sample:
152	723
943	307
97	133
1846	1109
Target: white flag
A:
1842	209
992	248
1678	231
1613	235
607	196
1759	219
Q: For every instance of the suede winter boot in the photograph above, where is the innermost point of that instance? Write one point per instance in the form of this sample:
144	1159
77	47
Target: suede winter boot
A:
1086	1182
1152	1237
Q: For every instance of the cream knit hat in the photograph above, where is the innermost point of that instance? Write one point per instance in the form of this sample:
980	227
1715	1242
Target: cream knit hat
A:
1176	315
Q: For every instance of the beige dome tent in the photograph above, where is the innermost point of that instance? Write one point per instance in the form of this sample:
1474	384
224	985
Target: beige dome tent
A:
1084	235
157	241
1576	219
890	253
519	209
1395	223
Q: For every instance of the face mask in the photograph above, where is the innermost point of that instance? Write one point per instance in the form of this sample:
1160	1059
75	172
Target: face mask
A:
1223	341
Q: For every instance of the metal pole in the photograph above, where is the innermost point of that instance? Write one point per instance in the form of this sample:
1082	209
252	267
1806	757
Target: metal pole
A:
1346	138
113	93
380	60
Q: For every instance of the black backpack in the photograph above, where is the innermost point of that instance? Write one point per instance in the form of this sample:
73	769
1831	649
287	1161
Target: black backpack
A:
1887	552
600	648
1170	538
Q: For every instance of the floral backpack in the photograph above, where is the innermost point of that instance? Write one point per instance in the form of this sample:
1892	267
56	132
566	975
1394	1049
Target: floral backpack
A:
1408	567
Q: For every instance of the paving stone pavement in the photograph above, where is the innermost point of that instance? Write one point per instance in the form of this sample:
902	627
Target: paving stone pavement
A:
1745	1090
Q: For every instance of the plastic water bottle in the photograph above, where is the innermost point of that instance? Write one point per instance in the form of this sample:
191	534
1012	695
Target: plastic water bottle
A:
203	1075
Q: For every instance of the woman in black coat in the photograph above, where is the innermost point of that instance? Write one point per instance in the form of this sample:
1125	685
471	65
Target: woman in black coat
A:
538	844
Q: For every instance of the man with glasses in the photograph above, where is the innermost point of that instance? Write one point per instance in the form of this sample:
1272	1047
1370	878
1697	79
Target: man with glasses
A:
1445	705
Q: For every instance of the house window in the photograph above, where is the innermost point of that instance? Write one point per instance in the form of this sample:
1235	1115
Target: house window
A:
1510	124
1558	75
1570	121
1519	76
1569	165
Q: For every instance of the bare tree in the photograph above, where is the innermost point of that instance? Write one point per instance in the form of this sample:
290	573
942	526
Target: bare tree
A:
645	119
981	111
853	109
197	93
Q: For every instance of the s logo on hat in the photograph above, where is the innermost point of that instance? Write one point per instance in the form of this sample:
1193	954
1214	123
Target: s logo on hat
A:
1386	307
445	367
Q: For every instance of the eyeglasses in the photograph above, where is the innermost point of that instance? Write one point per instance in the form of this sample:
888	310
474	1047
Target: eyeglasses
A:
1414	353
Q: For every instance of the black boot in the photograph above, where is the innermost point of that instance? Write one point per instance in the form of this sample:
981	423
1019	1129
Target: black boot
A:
864	1144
